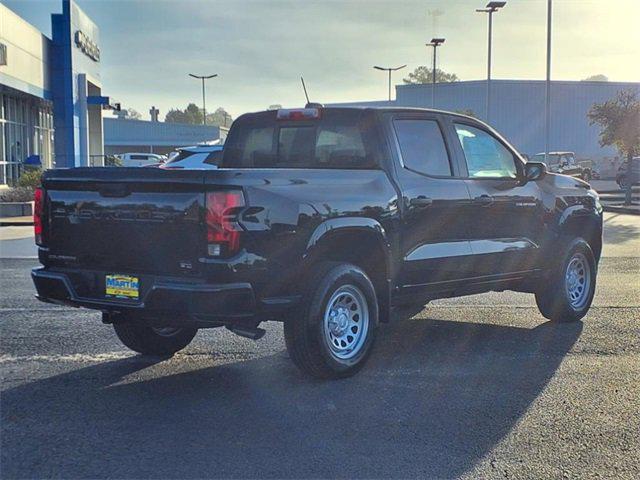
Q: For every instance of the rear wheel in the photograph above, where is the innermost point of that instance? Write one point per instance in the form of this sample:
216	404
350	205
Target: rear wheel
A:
570	288
332	334
154	340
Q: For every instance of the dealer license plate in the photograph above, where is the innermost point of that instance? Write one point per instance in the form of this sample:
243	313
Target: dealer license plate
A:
121	286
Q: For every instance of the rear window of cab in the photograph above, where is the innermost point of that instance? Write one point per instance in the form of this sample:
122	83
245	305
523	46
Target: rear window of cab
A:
335	140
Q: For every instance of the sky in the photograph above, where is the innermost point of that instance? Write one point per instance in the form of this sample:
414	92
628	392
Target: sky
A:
260	49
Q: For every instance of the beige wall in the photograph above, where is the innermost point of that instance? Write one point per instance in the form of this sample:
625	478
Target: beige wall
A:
27	53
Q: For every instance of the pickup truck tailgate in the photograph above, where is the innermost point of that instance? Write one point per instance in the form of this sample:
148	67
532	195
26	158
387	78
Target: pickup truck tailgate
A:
106	221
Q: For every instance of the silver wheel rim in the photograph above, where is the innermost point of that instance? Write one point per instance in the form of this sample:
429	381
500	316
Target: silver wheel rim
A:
346	322
578	280
166	331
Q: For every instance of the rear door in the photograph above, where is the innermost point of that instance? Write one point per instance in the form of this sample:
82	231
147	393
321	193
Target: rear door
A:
506	214
434	247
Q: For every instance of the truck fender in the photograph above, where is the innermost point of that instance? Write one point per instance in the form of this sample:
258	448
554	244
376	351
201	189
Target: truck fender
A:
344	224
335	226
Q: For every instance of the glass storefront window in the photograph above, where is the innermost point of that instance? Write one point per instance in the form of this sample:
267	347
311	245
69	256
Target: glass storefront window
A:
26	128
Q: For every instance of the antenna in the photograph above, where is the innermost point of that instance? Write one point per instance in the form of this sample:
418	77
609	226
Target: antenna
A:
305	89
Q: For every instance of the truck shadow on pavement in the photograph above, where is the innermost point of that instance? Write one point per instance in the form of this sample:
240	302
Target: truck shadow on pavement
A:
436	397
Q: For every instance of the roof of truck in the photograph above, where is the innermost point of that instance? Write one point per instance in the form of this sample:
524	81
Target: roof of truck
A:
377	108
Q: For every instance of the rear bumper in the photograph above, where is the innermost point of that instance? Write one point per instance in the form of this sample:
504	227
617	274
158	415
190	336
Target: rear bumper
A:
161	297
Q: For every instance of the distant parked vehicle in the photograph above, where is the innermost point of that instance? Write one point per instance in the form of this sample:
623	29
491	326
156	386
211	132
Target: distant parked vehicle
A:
622	177
140	159
564	163
197	157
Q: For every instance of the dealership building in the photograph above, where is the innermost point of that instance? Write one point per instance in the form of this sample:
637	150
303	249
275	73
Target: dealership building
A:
51	92
52	100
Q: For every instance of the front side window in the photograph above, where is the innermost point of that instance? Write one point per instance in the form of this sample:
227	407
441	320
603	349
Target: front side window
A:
422	147
486	156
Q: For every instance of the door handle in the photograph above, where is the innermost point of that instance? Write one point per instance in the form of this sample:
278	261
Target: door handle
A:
420	201
483	200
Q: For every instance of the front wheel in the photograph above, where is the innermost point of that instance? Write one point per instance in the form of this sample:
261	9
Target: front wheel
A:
332	334
570	287
154	340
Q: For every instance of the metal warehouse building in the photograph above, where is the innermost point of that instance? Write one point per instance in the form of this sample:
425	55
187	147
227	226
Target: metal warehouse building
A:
517	110
123	135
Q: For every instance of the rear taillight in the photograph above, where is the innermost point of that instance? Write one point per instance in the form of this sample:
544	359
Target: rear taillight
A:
223	230
38	200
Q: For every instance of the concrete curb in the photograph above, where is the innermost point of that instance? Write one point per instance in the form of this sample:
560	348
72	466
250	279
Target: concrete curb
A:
9	223
628	211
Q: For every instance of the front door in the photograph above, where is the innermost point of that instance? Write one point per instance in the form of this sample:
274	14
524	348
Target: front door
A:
506	213
434	246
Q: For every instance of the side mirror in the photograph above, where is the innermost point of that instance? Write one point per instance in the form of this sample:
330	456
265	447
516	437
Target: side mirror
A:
534	171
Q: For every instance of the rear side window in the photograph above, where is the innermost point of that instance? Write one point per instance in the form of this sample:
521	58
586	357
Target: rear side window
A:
336	140
422	146
139	157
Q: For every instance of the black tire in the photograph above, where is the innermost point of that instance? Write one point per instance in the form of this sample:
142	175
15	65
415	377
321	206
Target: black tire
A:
311	342
153	341
554	300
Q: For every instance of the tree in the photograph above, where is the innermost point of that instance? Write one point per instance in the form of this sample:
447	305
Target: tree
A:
220	118
192	115
596	78
619	119
424	74
133	114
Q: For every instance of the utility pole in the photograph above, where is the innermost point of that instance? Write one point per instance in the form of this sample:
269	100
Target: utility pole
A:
204	106
490	9
435	43
389	70
547	89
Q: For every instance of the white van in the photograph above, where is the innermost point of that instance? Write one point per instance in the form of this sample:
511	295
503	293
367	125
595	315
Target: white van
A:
140	159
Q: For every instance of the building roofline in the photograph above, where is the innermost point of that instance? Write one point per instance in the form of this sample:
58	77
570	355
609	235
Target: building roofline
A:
516	81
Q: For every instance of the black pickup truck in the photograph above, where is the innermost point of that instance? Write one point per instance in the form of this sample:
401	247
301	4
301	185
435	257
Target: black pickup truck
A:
324	218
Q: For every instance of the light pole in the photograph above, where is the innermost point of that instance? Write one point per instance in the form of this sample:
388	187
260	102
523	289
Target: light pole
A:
204	107
490	9
435	43
389	70
547	87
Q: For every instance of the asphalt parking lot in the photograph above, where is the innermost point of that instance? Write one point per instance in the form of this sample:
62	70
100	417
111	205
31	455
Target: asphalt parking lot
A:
477	387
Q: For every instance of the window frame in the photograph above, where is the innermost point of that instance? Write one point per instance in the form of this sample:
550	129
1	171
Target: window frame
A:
267	120
438	119
517	160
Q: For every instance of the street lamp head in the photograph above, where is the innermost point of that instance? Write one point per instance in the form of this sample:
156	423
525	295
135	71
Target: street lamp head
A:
435	42
493	6
387	69
200	77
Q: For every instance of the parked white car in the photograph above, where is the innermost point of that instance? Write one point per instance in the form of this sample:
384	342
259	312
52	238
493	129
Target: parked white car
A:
140	159
196	157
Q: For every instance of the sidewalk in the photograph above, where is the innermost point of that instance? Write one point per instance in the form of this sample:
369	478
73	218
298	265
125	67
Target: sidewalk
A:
613	201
